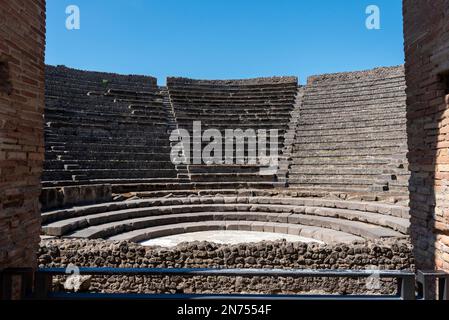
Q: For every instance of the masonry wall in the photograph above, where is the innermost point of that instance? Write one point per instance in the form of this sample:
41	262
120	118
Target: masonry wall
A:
426	30
22	44
393	255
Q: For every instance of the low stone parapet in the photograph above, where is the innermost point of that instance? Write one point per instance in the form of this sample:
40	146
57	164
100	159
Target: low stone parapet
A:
394	255
58	197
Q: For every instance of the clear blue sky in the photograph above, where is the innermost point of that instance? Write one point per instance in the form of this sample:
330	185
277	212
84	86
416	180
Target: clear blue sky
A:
224	39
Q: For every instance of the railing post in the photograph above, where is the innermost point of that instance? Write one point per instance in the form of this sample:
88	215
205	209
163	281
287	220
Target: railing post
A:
427	288
42	285
443	288
27	284
407	288
428	280
5	286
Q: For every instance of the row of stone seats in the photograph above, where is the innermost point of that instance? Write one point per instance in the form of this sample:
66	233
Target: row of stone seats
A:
113	129
263	103
351	134
96	131
95	80
139	220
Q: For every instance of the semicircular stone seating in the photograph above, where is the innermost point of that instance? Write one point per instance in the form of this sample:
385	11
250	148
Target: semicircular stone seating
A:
104	128
321	219
351	134
342	175
251	104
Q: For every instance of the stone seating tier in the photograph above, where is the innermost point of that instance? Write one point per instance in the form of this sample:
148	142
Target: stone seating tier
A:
340	133
137	220
263	103
93	133
351	133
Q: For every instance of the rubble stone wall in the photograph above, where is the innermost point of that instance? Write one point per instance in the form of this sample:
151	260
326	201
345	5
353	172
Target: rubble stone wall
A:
279	254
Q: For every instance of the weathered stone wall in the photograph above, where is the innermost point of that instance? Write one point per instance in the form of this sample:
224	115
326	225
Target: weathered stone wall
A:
22	45
427	67
280	254
59	197
236	82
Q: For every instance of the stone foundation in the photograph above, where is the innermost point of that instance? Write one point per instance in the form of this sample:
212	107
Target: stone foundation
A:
279	254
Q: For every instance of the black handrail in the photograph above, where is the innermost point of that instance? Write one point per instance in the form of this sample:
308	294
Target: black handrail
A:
340	273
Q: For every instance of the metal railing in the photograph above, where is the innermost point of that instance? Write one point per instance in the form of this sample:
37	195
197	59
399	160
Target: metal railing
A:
426	281
43	280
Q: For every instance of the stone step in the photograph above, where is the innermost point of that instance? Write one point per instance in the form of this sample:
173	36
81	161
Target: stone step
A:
236	168
350	118
240	113
231	90
399	142
352	171
355	80
229	86
361	229
350	88
342	111
321	234
379	96
348	132
359	151
114	148
148	230
67	219
335	180
359	124
348	108
137	187
93	174
382	91
244	109
92	155
244	196
235	177
273	120
69	115
61	107
217	97
367	104
366	225
107	164
121	127
356	137
118	183
241	125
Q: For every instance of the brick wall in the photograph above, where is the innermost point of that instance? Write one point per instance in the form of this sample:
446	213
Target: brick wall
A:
22	44
426	31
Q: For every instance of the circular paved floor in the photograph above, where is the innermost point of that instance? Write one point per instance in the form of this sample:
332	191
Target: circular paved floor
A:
224	237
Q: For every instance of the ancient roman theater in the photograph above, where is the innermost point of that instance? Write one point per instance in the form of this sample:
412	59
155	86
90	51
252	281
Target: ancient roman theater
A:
347	172
341	176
